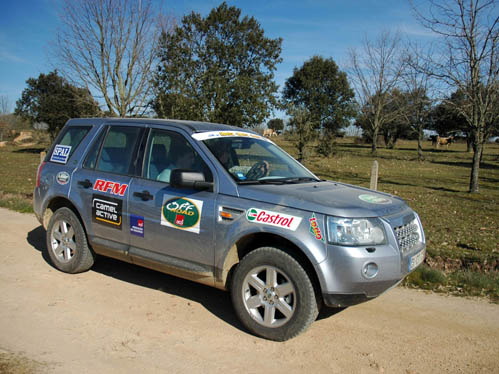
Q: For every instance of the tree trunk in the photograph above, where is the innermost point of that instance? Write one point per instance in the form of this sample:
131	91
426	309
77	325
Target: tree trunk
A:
420	144
375	141
475	167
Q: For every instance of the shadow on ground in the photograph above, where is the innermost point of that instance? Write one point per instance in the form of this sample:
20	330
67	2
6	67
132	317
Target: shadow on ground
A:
214	300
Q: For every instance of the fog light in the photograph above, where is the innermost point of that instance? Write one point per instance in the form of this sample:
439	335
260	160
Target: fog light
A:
370	270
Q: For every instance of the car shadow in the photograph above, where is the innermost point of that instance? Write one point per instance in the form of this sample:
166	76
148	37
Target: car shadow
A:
214	300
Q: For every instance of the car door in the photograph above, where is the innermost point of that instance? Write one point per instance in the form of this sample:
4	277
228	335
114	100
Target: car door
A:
171	226
101	187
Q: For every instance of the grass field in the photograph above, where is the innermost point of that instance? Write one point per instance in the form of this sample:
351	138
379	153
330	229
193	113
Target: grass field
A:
462	229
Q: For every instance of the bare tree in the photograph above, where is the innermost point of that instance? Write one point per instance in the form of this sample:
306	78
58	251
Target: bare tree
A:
109	45
4	105
376	71
418	87
468	61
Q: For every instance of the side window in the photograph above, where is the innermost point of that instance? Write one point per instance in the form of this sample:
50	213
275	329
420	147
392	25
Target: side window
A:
167	151
67	142
91	159
118	149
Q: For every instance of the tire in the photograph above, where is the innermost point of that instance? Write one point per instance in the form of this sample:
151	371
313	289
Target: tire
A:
67	244
272	294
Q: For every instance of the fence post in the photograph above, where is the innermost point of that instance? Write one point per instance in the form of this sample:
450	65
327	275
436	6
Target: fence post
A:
374	176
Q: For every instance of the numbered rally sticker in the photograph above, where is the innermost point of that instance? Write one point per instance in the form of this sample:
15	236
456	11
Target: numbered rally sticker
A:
181	213
374	199
61	153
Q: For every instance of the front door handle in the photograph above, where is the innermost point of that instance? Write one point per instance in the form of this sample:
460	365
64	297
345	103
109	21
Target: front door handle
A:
85	183
144	195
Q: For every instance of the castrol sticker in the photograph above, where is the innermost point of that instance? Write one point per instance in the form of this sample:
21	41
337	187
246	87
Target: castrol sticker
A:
181	213
267	217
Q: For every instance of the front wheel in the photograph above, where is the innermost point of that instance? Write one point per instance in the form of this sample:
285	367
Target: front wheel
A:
272	294
67	244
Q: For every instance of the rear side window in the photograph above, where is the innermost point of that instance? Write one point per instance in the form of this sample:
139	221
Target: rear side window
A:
67	142
118	150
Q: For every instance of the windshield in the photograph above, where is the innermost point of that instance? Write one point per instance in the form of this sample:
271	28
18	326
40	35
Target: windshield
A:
252	159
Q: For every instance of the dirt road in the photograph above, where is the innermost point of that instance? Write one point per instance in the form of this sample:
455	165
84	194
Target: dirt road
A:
119	318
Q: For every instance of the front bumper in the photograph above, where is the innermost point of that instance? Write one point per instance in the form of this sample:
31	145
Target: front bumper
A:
351	275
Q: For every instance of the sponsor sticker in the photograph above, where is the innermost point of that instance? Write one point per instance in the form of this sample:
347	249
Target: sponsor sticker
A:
137	225
267	217
225	134
181	213
60	153
315	229
107	211
62	178
374	199
114	188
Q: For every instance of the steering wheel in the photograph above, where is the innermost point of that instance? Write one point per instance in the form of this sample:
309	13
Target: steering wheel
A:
258	170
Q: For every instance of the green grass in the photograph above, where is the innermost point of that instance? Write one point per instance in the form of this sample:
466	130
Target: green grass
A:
461	229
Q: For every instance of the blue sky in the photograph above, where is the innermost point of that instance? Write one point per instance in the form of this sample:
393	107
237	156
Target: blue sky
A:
308	27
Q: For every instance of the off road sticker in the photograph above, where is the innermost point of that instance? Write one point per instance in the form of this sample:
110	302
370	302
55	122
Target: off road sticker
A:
181	213
60	153
137	225
62	178
107	211
374	199
315	229
114	188
267	217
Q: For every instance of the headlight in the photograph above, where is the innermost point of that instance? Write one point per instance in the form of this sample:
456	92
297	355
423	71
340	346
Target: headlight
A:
355	231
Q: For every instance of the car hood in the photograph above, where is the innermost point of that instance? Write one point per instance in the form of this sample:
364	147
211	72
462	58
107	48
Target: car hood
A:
326	197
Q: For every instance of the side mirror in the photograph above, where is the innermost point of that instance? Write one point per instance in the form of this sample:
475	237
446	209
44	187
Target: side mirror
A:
183	178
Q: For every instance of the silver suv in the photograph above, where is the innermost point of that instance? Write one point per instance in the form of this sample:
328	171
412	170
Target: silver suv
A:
225	207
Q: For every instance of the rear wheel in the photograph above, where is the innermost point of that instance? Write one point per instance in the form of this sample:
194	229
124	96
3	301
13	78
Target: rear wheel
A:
273	295
67	244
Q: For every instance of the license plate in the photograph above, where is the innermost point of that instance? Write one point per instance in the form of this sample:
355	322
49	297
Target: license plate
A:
416	260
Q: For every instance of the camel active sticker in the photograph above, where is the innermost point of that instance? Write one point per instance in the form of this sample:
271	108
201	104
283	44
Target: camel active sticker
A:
315	229
181	213
267	217
373	199
107	210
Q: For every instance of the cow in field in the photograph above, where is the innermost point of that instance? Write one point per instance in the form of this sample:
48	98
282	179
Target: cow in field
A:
269	133
444	141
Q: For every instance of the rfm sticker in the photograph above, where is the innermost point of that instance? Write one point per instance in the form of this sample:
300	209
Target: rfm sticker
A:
181	213
113	188
315	229
61	153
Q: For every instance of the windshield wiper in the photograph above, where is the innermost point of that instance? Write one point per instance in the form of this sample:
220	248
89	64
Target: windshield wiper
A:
299	180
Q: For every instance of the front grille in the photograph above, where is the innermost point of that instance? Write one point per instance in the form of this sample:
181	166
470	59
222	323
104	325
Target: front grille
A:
407	236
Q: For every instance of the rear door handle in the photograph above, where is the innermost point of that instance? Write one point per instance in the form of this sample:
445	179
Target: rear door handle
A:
144	195
85	183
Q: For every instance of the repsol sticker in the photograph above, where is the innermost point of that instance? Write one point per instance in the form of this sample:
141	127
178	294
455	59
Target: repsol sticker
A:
114	188
374	199
107	211
62	178
137	225
315	229
181	213
267	217
60	153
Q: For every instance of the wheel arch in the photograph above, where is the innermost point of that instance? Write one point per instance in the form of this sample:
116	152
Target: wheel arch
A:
60	202
250	242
